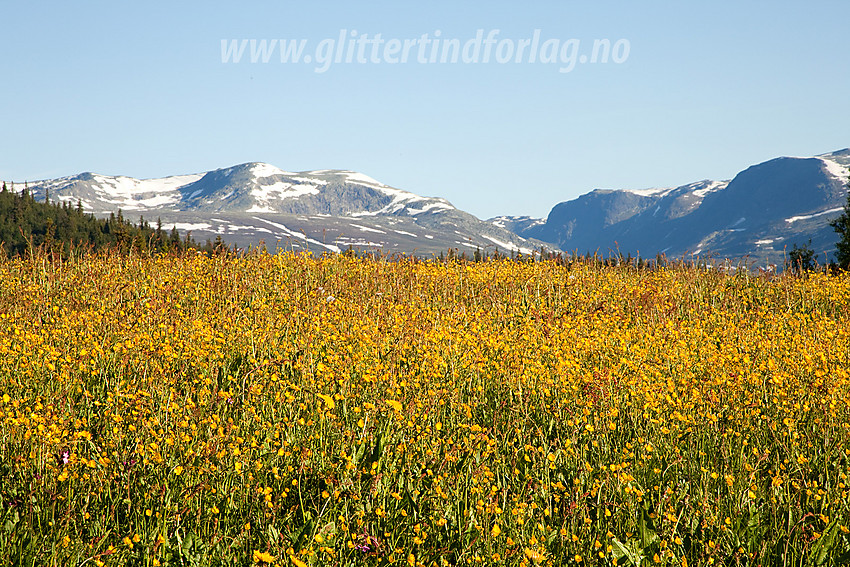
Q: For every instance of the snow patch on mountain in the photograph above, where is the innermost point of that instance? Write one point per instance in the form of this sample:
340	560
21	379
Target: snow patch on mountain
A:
813	215
282	190
311	180
505	221
260	170
437	204
507	245
368	229
837	170
343	241
710	188
359	178
698	188
298	235
651	192
192	225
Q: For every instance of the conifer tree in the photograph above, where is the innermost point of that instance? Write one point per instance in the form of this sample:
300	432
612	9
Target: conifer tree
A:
841	225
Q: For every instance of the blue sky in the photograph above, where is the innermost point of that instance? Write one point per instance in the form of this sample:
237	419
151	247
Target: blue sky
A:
706	90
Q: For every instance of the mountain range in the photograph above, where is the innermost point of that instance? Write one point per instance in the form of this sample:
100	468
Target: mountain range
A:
761	213
322	210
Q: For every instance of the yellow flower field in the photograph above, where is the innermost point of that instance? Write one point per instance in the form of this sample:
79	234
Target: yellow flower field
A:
286	410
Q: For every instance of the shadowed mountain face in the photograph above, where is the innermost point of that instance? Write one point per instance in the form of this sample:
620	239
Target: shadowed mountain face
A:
763	211
317	210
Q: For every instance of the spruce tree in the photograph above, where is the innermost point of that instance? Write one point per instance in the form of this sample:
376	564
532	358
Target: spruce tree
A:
841	225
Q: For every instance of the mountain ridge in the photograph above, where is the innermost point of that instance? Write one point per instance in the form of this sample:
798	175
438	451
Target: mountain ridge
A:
760	213
255	201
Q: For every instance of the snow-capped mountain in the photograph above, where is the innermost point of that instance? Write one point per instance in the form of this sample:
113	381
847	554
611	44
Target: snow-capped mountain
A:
762	212
322	209
250	188
516	224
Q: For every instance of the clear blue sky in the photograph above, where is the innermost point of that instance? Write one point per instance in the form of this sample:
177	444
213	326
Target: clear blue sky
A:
707	89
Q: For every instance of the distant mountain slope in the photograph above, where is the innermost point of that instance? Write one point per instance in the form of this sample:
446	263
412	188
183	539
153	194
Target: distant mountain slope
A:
764	210
320	210
515	224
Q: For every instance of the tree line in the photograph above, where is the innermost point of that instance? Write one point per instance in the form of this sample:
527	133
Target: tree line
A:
27	224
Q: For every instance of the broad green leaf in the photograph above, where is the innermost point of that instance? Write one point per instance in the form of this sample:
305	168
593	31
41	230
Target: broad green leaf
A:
820	550
648	536
621	550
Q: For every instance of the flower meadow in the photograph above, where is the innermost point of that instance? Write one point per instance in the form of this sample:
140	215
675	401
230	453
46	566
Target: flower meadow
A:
290	410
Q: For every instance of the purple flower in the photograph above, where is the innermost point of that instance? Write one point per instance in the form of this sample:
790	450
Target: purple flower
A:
367	542
65	457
